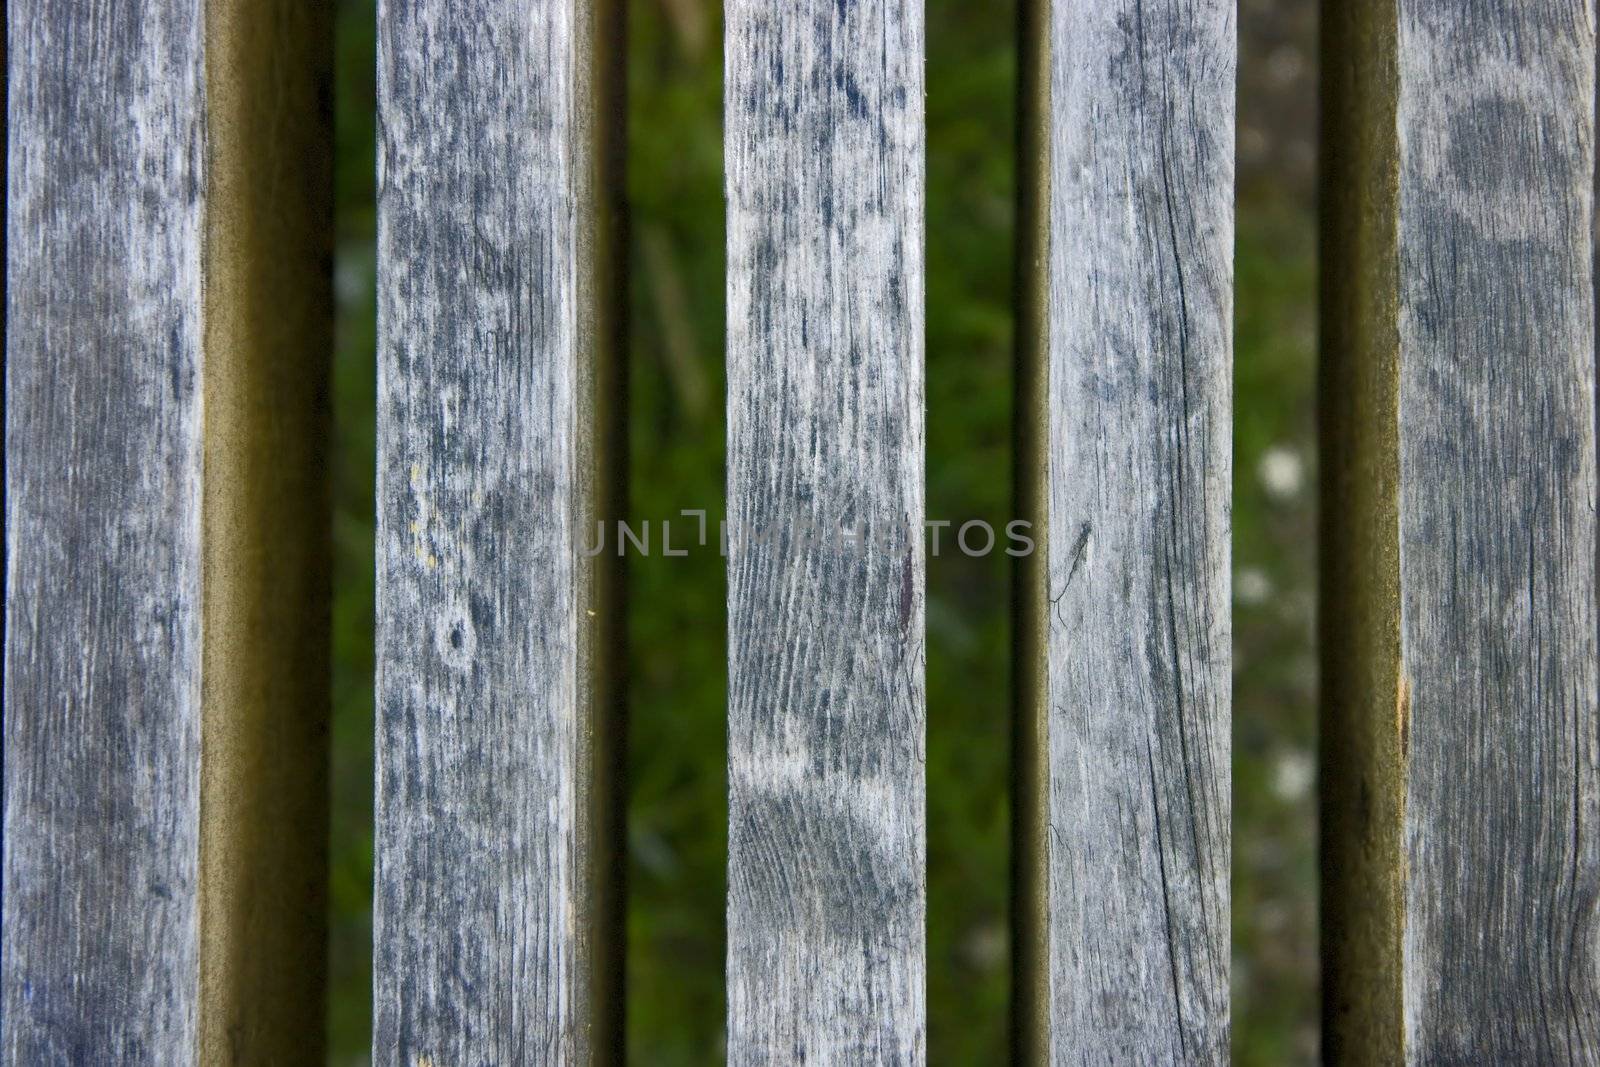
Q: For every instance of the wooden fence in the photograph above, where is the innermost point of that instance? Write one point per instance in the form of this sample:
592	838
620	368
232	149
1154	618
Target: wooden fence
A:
166	642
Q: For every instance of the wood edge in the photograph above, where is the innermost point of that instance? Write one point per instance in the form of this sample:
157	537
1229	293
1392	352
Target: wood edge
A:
5	409
266	540
1365	699
1030	882
600	192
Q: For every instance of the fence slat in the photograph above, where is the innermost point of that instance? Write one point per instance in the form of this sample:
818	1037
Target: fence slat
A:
102	710
496	880
167	327
1124	825
1461	870
826	898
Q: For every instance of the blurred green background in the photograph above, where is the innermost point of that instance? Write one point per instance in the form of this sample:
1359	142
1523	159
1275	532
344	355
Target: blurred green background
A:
677	782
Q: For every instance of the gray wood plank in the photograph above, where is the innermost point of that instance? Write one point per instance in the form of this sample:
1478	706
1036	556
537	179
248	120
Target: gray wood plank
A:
493	912
826	886
1497	532
165	657
102	709
1138	447
1482	714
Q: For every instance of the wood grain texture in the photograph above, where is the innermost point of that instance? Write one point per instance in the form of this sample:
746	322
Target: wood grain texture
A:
165	686
826	886
103	447
1497	531
493	922
1475	796
1139	478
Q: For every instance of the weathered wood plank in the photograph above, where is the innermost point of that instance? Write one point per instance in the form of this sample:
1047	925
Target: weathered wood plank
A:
496	880
165	685
1461	756
1135	434
826	887
102	708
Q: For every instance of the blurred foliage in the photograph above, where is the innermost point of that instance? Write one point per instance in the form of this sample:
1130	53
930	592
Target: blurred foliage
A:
1276	981
677	775
677	841
1275	978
